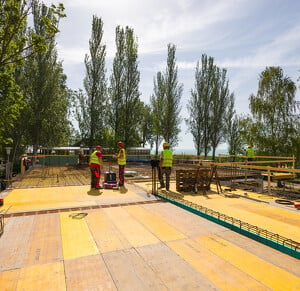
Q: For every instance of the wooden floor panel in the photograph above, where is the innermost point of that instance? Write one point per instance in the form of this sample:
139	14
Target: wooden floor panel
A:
14	242
88	273
157	226
45	244
183	221
136	234
173	270
9	279
264	272
77	240
43	277
264	252
107	237
130	272
219	271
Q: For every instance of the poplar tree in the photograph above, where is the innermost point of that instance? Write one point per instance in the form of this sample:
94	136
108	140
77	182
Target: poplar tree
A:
131	110
117	81
165	102
208	106
95	85
156	103
124	89
199	105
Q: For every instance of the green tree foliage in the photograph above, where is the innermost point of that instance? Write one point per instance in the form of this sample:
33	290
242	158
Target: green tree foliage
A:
219	106
17	42
93	106
117	80
124	89
145	126
233	130
156	104
165	102
273	108
131	106
208	106
173	91
44	90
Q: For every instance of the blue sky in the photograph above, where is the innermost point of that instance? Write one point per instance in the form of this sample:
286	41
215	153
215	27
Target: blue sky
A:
243	36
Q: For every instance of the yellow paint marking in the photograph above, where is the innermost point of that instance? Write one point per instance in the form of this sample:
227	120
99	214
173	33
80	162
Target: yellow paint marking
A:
218	271
263	216
131	229
43	277
77	240
107	236
157	226
264	272
9	279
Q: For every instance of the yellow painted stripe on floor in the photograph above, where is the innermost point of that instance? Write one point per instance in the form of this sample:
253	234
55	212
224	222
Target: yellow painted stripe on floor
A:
43	277
77	240
107	236
9	279
131	229
233	207
156	225
220	272
264	272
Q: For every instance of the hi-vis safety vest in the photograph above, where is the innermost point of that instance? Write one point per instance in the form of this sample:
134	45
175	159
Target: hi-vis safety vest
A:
122	160
250	153
94	159
167	157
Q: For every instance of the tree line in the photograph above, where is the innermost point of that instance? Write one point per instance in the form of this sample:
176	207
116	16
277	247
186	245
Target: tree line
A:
39	109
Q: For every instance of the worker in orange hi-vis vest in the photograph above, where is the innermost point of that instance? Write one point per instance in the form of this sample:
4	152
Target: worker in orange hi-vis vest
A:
95	167
121	156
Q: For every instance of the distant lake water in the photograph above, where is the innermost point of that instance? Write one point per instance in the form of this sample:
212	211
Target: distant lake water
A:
194	152
184	151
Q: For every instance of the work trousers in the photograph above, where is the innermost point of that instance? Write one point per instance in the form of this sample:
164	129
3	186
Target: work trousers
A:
165	171
95	177
121	175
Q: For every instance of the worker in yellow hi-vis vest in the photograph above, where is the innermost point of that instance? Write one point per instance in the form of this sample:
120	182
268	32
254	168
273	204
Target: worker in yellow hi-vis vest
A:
121	157
95	167
166	162
250	153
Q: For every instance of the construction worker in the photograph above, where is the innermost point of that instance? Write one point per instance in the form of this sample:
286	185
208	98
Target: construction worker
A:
95	167
166	162
250	153
121	156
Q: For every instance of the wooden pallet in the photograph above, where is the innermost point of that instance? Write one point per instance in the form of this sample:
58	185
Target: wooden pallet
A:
193	180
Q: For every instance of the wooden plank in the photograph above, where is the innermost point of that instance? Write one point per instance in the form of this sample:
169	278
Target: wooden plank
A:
43	277
191	225
220	272
77	240
264	252
155	224
45	244
131	229
173	270
9	279
14	242
105	233
264	272
88	273
131	272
